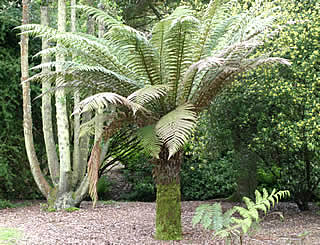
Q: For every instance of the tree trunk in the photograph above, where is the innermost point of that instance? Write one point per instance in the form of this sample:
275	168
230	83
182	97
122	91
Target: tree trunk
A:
46	109
62	115
76	100
166	174
27	115
246	175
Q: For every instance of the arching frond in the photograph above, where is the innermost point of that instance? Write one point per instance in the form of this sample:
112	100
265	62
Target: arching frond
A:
157	40
215	23
85	48
141	57
179	12
149	140
205	29
148	93
88	78
217	77
159	32
99	15
37	30
103	100
174	128
179	42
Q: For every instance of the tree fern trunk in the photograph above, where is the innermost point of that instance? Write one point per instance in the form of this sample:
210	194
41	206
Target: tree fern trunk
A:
168	205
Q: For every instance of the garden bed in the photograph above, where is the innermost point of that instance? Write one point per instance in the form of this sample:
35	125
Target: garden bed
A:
128	223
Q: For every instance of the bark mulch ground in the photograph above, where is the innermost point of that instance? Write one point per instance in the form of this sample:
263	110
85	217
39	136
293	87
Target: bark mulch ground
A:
129	223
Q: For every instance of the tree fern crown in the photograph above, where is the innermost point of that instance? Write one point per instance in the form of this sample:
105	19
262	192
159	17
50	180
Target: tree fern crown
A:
175	72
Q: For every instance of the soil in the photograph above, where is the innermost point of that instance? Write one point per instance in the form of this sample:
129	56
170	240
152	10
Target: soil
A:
129	223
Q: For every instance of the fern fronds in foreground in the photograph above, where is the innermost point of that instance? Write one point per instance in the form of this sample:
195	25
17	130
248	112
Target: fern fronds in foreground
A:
225	225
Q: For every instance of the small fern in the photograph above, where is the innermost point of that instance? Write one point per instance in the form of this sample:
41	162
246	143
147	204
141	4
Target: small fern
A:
226	226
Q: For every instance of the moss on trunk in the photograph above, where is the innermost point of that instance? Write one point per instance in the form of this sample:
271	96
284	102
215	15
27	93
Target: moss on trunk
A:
57	201
168	212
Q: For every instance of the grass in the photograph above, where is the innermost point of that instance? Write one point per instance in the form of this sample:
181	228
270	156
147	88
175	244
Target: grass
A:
9	204
10	236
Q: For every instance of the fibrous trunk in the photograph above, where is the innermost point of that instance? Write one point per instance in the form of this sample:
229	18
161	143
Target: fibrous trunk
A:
168	204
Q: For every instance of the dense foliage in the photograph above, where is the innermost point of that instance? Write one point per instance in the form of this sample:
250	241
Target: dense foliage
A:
14	168
206	172
274	113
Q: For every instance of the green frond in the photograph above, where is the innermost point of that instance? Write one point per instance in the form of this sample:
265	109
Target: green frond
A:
224	224
245	213
88	78
258	196
175	127
246	224
37	30
218	76
261	207
99	16
157	40
266	202
159	33
149	140
141	57
180	11
208	20
265	193
85	48
99	82
178	54
148	93
204	214
52	51
250	204
273	192
103	100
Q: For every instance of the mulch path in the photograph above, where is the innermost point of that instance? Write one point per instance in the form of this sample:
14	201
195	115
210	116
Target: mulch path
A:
129	223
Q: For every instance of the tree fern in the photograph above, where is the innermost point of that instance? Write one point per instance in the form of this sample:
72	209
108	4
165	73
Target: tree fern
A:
225	225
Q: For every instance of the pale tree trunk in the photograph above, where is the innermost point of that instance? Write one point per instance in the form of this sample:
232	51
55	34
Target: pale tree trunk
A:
81	145
27	115
79	162
63	194
53	162
76	101
166	174
99	113
73	184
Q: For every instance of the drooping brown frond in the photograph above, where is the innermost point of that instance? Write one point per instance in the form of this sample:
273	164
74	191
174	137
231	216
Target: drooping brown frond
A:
94	161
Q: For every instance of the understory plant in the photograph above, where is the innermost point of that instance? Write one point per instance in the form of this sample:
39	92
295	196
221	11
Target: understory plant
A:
230	227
